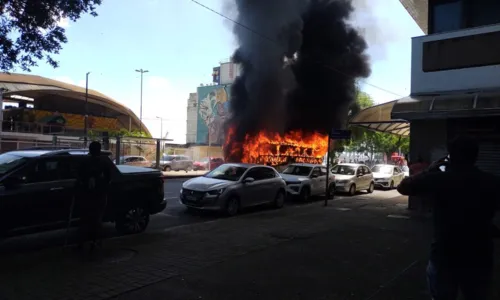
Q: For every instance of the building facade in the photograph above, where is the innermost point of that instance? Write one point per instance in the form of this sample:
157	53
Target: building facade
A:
192	119
208	108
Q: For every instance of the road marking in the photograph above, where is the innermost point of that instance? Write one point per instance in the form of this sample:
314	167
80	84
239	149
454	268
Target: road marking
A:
398	217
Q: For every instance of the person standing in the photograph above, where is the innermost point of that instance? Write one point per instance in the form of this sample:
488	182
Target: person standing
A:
92	186
464	201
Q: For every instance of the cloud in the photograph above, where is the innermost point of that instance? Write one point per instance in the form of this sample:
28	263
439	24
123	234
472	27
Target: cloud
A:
63	22
68	80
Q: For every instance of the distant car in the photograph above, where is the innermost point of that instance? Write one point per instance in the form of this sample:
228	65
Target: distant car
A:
351	178
231	187
387	176
406	171
306	180
203	164
134	160
176	163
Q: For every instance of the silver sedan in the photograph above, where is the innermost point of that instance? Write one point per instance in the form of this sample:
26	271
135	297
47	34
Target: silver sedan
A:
230	187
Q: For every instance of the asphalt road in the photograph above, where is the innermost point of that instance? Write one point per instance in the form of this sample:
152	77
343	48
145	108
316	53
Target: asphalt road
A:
174	215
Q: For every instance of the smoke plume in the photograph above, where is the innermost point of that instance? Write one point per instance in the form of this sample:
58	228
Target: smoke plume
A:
300	61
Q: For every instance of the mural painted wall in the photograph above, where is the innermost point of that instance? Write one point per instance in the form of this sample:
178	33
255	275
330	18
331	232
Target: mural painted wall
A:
213	111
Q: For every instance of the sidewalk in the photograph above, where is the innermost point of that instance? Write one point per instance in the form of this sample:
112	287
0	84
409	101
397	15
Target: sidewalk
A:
305	252
184	174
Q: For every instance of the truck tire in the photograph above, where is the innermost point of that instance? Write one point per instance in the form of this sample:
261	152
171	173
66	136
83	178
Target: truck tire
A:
232	207
133	220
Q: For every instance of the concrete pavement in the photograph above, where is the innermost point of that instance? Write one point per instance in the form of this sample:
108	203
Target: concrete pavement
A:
349	250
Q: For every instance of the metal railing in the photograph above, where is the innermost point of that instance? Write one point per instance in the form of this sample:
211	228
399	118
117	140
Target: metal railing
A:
41	128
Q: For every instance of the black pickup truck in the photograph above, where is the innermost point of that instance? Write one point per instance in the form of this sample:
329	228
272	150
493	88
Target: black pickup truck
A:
37	189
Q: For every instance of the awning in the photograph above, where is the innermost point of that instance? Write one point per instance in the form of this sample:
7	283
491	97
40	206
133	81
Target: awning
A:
451	105
378	118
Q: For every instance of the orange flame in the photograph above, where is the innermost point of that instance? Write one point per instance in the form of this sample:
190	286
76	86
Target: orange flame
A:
274	149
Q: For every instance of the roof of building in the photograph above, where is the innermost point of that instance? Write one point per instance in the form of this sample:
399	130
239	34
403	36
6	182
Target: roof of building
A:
418	9
34	86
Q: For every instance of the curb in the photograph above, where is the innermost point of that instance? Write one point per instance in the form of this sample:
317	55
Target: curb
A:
180	176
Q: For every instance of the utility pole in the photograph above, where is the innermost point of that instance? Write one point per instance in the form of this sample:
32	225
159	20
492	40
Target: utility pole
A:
86	125
140	113
161	134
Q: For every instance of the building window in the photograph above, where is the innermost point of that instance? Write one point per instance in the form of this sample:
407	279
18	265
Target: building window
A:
445	15
482	13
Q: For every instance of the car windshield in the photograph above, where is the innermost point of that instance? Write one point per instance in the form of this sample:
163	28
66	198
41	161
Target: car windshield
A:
10	161
383	169
343	170
168	157
297	170
227	172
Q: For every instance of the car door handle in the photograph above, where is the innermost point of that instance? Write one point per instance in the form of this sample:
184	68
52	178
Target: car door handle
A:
57	188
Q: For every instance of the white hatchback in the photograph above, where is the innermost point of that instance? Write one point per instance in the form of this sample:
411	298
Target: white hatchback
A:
387	176
351	178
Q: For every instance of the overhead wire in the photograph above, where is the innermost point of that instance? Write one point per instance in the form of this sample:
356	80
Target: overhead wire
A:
274	41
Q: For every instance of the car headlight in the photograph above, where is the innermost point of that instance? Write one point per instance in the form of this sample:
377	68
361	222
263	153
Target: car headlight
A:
181	191
342	181
216	192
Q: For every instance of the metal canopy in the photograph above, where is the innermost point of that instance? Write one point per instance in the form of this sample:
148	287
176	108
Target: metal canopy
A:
378	118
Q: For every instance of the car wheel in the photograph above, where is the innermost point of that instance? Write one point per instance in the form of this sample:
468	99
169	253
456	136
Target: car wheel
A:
305	194
371	188
279	200
232	206
133	220
167	169
352	190
331	191
188	169
392	185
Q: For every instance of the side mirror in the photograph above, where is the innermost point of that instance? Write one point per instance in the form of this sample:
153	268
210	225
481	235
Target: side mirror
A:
314	175
248	180
12	182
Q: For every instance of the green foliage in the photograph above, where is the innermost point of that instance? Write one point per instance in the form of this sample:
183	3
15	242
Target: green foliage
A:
93	135
29	29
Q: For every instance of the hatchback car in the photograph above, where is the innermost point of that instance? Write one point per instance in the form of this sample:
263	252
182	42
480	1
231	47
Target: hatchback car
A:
176	163
231	187
387	176
134	160
351	178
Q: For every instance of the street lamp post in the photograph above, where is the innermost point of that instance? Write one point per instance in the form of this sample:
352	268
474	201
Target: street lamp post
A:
140	113
86	125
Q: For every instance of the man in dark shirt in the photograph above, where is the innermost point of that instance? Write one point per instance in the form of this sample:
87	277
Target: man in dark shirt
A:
464	201
92	186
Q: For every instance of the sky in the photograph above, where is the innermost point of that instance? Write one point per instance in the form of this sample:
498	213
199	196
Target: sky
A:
179	42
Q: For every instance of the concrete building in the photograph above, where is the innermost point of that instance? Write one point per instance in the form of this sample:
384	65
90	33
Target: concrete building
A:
192	118
455	81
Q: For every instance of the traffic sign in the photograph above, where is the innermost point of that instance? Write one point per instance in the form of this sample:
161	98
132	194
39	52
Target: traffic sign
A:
338	134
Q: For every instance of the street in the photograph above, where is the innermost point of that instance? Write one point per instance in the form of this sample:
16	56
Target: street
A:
173	216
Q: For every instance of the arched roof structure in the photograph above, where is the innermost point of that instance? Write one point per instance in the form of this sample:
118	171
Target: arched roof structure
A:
38	87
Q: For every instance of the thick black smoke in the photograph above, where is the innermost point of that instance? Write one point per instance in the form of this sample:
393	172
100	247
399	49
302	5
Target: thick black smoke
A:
300	61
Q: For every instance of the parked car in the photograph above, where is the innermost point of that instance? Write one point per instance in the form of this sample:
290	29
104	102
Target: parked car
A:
203	164
351	178
387	176
306	180
231	187
37	190
176	163
133	160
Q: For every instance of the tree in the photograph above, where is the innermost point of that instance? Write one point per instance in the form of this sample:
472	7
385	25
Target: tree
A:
363	100
29	30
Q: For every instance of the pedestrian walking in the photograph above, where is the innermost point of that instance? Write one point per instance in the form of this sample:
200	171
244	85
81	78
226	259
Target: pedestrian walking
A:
464	201
92	188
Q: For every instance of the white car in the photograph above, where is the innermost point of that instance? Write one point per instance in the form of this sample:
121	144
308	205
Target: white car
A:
406	171
387	176
351	178
306	180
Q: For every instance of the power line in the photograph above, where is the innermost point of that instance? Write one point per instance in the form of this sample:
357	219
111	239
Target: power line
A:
274	41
